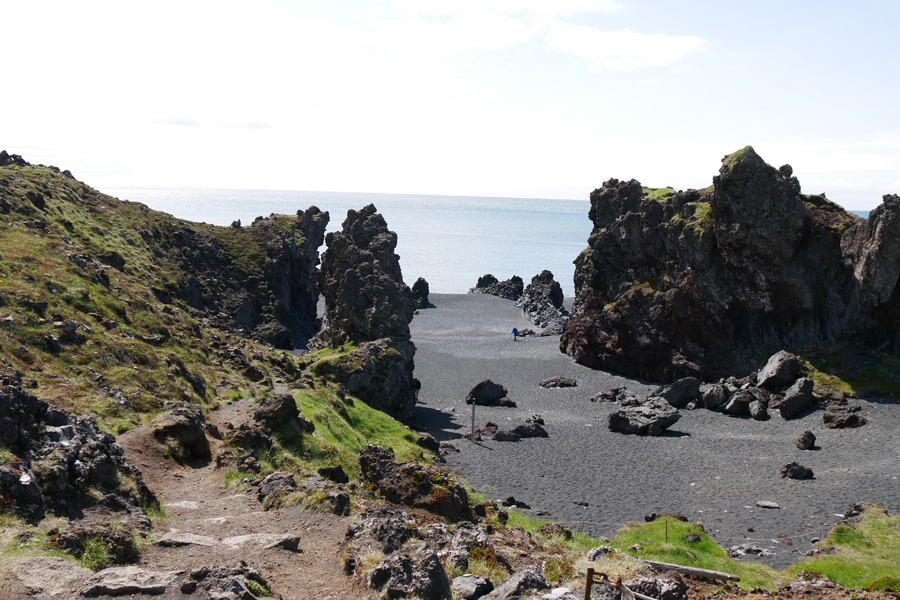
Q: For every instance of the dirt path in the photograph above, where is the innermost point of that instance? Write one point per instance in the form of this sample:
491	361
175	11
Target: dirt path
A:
197	502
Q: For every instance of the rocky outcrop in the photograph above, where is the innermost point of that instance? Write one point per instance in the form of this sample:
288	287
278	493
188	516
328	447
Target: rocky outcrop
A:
542	303
511	289
412	573
708	283
420	293
411	484
272	298
367	304
61	463
183	431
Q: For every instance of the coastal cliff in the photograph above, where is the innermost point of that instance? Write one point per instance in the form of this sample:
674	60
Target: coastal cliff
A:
709	282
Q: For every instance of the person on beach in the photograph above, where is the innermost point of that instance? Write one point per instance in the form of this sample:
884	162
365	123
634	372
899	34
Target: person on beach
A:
515	333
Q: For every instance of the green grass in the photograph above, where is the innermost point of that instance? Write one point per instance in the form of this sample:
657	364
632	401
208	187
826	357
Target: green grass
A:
661	541
860	554
344	428
658	194
847	369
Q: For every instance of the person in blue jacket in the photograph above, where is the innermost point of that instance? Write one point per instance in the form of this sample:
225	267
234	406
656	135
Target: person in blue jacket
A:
515	333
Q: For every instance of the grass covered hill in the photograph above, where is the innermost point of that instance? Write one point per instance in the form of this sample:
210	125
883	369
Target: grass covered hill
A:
111	308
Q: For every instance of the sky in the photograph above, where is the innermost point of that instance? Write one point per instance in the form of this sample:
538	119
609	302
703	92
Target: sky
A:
515	98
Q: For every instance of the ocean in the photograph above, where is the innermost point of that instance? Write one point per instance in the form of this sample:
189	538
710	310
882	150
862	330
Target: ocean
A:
451	241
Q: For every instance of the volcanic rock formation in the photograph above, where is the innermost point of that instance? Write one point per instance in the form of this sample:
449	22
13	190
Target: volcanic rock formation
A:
708	283
368	305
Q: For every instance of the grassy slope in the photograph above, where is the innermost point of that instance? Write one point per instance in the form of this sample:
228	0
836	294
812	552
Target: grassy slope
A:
55	266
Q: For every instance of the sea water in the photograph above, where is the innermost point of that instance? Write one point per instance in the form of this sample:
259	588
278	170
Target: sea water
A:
451	241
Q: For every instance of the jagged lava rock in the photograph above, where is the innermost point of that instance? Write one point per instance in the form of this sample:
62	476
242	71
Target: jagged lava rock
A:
709	284
542	301
511	289
782	369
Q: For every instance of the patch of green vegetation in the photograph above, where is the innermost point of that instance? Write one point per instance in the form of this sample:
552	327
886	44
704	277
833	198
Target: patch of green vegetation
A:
848	369
742	154
559	568
702	218
658	194
662	540
859	554
343	428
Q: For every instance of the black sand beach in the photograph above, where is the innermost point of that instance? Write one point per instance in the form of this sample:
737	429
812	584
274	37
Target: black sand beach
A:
711	467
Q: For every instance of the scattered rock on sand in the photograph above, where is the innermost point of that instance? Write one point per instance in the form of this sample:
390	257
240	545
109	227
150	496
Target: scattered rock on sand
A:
806	441
767	504
844	417
782	369
794	470
650	418
797	399
621	395
557	381
488	393
680	393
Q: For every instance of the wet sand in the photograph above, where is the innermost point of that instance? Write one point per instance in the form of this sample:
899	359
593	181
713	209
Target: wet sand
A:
711	467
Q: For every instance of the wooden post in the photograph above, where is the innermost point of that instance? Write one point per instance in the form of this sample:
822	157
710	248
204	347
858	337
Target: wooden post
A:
473	420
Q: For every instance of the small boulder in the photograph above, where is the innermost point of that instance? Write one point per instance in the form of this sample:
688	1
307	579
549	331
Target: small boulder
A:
557	381
794	470
797	399
519	585
680	393
668	586
806	441
759	410
488	393
650	418
335	474
782	369
183	431
470	587
715	396
414	572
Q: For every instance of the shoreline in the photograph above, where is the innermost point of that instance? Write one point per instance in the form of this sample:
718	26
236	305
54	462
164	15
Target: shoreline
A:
711	467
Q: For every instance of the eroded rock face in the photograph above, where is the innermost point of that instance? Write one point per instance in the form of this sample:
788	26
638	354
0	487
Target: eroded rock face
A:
59	459
709	284
367	303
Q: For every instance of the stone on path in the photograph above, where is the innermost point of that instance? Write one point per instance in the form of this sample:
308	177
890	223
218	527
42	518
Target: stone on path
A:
50	575
120	581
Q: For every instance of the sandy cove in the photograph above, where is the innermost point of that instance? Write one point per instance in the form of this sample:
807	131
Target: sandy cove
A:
711	467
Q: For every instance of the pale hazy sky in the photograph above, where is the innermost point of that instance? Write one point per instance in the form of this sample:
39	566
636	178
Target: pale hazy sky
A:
476	97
